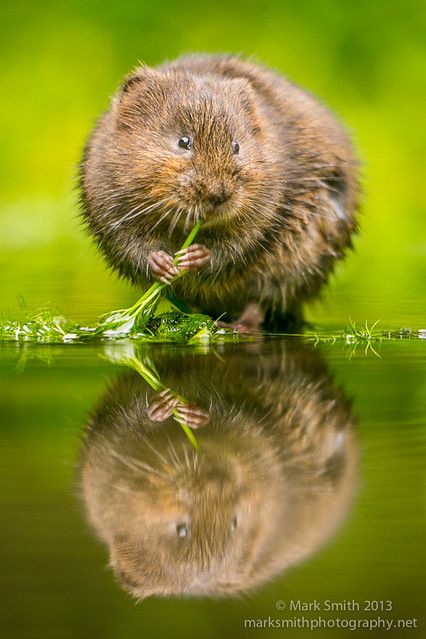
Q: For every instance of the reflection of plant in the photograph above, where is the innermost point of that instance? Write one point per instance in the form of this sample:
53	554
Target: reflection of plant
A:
365	336
353	337
146	369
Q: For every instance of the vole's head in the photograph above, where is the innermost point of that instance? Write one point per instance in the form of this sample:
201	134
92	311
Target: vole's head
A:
178	146
219	521
193	535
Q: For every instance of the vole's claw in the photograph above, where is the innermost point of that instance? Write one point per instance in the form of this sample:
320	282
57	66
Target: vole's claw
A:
250	320
194	257
162	266
193	416
162	406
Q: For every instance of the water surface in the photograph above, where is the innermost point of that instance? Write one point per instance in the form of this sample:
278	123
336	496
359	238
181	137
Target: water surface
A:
307	488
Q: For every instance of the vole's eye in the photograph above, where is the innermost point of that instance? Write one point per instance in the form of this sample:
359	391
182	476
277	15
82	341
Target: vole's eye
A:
185	142
234	523
235	148
182	530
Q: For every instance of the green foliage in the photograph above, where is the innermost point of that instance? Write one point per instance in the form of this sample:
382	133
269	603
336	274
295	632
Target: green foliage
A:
138	322
176	327
48	328
135	319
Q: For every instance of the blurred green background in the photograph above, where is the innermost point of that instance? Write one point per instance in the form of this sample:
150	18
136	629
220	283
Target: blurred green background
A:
60	62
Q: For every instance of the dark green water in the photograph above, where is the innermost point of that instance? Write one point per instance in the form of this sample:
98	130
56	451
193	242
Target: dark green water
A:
308	488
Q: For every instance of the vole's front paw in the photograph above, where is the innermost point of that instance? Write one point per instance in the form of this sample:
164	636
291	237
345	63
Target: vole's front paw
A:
194	257
192	416
162	406
162	266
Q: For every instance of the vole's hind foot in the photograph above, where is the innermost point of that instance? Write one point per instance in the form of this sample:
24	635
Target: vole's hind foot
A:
194	257
250	320
162	266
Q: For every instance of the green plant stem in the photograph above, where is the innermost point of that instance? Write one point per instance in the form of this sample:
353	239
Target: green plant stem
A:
188	432
149	298
151	377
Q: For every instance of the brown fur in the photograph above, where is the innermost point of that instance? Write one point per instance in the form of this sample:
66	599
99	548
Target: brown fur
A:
292	188
274	476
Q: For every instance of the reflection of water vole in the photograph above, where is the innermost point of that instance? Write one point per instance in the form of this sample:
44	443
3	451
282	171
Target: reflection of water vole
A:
269	168
273	478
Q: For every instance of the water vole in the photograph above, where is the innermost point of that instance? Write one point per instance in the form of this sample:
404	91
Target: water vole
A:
267	166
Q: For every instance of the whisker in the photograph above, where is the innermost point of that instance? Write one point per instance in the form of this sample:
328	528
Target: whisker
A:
136	211
137	465
185	452
173	453
175	220
114	225
161	218
187	220
154	450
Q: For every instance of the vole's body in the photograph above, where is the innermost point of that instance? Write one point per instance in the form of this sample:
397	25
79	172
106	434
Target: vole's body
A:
279	205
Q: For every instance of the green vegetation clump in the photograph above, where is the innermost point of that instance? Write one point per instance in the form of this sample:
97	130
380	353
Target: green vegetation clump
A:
177	327
136	318
47	327
137	322
42	326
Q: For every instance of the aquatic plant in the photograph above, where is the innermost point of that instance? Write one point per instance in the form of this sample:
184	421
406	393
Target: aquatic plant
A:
136	322
137	316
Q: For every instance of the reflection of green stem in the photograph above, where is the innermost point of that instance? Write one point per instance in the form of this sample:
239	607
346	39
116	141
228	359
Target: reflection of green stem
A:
150	376
145	304
188	432
145	372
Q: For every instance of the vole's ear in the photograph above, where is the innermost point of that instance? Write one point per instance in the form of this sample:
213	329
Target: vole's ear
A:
142	76
242	94
136	568
334	464
138	589
336	191
141	94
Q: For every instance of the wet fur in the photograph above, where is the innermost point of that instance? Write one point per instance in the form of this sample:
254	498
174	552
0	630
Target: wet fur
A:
293	186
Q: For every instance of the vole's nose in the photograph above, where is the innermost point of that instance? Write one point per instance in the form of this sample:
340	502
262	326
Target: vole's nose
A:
218	195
